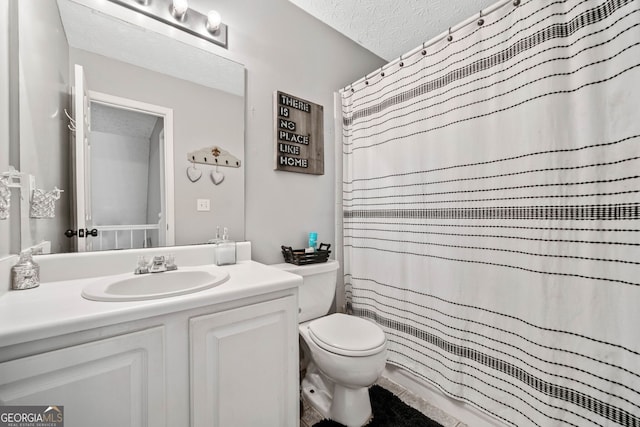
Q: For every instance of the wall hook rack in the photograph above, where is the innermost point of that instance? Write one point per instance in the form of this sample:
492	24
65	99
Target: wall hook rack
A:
214	155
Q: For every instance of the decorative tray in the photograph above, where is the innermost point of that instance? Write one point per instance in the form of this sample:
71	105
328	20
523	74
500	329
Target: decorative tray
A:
300	257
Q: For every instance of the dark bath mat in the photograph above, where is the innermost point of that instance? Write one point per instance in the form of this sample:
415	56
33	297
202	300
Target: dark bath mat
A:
389	411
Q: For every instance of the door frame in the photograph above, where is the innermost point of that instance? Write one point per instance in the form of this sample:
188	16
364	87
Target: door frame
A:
166	114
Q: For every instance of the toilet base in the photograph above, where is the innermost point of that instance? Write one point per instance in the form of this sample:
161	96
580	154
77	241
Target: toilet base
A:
348	406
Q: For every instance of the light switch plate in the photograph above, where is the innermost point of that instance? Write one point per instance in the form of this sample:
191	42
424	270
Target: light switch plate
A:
203	205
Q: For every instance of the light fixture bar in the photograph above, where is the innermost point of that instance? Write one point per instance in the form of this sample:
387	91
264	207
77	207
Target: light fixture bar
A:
193	22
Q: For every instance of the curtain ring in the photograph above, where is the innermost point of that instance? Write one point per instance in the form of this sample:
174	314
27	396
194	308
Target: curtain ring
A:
450	36
516	2
424	49
480	20
401	63
366	82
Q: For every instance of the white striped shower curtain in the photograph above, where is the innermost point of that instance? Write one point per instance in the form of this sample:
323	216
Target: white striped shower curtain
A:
491	202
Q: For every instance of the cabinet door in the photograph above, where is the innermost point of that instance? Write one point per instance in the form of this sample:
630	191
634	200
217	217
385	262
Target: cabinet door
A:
244	366
117	381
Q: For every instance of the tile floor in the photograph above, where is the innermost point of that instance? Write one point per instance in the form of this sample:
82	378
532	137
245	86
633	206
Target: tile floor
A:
310	416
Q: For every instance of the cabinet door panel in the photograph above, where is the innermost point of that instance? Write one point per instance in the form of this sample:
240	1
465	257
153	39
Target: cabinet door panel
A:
244	366
115	381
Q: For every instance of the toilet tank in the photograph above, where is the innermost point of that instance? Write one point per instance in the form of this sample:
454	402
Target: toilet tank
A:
318	287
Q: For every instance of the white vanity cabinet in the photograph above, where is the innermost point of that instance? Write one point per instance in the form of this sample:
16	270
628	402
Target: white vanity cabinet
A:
117	381
244	366
233	364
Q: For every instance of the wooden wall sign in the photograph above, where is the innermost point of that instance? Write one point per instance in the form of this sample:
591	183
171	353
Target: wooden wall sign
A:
299	135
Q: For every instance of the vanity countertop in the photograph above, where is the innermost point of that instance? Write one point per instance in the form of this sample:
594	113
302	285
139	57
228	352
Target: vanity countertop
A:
57	307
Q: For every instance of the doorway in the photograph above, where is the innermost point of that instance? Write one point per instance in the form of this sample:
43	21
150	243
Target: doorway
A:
124	174
126	179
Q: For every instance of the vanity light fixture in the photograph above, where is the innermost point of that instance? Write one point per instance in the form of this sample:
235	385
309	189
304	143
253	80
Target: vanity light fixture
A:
213	21
177	14
179	9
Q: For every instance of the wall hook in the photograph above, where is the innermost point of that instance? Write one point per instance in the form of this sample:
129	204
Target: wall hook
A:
213	155
72	122
66	113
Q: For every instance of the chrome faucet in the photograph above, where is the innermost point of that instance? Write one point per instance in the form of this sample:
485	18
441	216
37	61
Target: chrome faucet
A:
157	265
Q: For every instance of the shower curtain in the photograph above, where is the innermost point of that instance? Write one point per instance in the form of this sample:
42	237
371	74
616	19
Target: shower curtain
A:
491	199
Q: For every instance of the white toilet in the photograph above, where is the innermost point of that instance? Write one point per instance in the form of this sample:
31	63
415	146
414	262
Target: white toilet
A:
348	353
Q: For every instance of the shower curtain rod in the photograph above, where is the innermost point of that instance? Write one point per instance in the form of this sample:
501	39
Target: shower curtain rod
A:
437	38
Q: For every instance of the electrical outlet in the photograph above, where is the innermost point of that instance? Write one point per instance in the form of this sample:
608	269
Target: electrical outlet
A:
203	205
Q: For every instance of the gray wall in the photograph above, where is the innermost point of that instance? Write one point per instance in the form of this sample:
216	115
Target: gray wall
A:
4	112
202	117
285	49
44	94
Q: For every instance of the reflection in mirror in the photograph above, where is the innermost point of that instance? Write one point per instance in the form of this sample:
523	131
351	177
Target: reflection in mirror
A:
126	173
204	92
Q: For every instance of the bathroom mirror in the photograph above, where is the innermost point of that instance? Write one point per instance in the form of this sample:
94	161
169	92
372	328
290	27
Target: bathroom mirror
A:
128	57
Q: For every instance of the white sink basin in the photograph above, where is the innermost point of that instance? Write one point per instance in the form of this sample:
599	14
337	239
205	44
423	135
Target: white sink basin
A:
132	287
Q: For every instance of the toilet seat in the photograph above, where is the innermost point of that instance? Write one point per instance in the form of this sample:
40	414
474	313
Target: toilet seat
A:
347	335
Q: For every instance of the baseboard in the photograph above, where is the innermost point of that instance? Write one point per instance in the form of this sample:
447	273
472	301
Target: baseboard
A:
464	412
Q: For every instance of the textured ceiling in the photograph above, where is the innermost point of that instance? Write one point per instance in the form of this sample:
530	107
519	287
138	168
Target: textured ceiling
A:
118	121
392	28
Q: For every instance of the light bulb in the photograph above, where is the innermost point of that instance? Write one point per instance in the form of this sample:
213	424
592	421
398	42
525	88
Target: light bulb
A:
180	7
213	21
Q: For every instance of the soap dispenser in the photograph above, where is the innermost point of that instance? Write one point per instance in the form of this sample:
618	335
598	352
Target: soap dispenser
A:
26	273
217	238
225	250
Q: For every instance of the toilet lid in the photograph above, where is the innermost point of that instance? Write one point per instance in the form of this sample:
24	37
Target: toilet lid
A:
347	335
